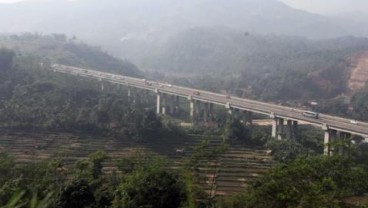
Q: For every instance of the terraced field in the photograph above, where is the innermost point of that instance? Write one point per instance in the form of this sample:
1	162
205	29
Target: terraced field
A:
229	173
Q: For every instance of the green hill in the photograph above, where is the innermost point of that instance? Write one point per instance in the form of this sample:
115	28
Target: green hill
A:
58	48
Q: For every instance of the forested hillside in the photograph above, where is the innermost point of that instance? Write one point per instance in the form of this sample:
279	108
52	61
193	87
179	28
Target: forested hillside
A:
263	67
34	97
58	48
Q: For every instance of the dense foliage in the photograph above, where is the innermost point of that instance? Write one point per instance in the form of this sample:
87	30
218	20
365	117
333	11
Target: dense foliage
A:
264	67
58	48
32	96
306	182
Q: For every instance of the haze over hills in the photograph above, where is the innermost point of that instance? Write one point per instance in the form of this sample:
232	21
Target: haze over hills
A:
244	41
108	22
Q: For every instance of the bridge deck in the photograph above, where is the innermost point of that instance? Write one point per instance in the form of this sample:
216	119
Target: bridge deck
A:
333	122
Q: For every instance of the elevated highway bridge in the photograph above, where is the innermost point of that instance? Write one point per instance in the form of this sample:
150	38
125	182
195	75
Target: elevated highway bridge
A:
284	119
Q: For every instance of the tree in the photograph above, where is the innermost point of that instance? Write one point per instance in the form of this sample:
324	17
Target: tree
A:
151	186
307	182
151	125
235	130
77	195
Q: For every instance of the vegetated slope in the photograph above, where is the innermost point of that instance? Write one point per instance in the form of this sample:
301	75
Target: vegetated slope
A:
264	67
33	96
359	73
230	173
58	48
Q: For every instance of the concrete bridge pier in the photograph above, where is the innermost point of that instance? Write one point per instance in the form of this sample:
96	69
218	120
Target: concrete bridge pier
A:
129	93
280	128
329	137
205	112
164	105
191	108
158	101
211	113
247	117
229	109
274	125
198	109
176	108
291	129
170	104
145	96
343	143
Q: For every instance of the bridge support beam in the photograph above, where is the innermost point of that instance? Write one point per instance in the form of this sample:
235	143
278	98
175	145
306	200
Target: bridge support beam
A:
164	105
158	102
229	109
274	125
343	143
211	112
205	112
198	110
176	101
247	117
295	130
280	128
191	108
171	104
329	137
291	129
129	93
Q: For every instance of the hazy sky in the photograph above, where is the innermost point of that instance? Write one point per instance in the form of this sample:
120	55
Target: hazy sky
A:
316	6
329	6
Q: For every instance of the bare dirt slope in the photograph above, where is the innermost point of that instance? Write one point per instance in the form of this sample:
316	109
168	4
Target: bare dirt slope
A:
359	73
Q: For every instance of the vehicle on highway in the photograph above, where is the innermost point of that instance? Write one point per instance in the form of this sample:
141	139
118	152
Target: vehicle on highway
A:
228	96
196	93
354	122
310	114
169	85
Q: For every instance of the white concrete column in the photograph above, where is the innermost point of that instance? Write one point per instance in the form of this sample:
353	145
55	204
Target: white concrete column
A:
326	143
158	102
333	135
274	128
229	109
164	104
129	93
191	110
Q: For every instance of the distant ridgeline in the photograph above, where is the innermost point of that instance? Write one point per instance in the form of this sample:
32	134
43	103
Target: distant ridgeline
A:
267	67
58	48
